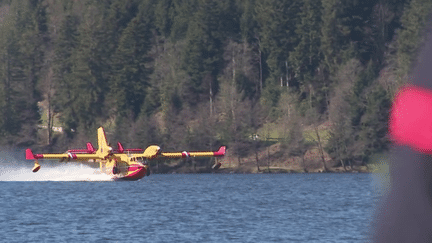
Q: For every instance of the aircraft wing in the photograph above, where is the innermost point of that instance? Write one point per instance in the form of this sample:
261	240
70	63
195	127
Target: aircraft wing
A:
64	156
185	154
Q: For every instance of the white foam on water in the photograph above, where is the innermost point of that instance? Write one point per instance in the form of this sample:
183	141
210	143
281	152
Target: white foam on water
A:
66	172
13	168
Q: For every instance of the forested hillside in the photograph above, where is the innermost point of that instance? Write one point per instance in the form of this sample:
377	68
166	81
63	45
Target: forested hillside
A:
200	73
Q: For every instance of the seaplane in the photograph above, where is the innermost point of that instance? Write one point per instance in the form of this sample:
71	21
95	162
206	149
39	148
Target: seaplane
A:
120	163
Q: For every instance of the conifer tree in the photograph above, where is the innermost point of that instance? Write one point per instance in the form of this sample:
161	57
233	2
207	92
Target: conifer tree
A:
342	142
64	48
276	22
411	35
11	75
21	70
130	72
89	70
163	21
248	24
374	128
181	13
33	23
117	16
203	51
306	56
334	35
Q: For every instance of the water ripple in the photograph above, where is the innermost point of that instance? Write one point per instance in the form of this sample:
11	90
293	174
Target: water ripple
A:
191	208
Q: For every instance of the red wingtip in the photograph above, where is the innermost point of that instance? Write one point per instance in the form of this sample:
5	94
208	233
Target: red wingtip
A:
29	154
220	152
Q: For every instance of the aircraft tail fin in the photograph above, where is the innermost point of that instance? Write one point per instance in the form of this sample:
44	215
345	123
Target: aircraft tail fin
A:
103	147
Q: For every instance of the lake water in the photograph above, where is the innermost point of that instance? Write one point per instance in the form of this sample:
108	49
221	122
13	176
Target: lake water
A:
183	208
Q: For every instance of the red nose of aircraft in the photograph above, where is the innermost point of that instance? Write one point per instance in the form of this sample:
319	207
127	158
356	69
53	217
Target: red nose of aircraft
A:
135	172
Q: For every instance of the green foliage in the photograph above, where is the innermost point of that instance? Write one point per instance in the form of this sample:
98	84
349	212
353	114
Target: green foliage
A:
306	56
277	21
357	98
189	73
246	86
270	96
334	34
374	122
202	56
63	63
248	24
181	13
411	35
163	22
130	74
21	65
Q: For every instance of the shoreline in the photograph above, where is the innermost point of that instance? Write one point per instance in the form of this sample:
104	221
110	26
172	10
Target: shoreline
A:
166	169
